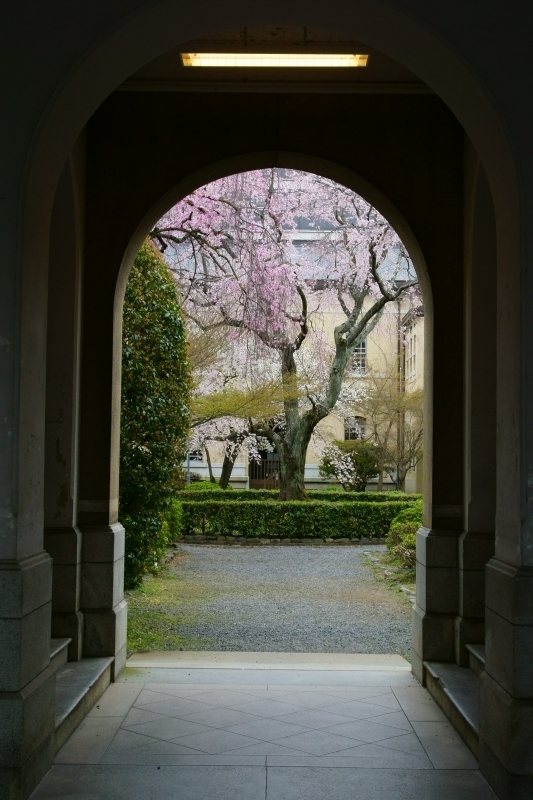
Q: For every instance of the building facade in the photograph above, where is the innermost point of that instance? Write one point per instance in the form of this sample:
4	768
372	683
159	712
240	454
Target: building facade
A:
390	360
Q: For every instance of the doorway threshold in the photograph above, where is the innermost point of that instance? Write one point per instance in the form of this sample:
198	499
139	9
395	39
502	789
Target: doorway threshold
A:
206	659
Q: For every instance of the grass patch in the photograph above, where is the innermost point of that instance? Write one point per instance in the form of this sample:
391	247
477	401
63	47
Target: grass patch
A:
388	568
160	607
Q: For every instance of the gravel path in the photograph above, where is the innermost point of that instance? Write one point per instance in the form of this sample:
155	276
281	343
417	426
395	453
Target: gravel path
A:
300	599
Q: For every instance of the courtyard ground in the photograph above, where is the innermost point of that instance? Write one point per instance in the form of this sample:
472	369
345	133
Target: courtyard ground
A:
277	599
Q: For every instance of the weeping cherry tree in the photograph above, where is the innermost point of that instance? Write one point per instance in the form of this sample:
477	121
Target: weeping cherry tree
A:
263	254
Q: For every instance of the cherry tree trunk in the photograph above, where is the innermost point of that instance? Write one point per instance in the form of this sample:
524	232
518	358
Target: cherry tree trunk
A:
292	454
230	456
292	474
209	465
227	469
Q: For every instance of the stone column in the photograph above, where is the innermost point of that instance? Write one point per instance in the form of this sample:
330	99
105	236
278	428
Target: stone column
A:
62	538
476	544
102	568
437	581
506	691
27	682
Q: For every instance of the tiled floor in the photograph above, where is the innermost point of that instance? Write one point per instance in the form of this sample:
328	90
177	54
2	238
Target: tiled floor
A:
265	734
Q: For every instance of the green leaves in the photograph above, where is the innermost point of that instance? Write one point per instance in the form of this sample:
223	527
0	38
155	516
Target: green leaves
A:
401	538
316	518
154	410
203	490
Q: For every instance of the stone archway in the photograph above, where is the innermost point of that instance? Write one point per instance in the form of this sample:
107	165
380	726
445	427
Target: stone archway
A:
121	47
117	179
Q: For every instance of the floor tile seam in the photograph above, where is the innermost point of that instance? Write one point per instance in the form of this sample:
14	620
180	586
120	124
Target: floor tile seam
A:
161	739
432	704
350	746
426	750
193	751
157	740
388	724
186	719
354	765
330	725
387	709
306	728
200	763
445	769
293	749
325	729
280	741
330	690
333	724
198	688
92	715
211	728
406	752
349	716
196	752
111	742
207	705
135	746
324	707
386	753
400	733
230	750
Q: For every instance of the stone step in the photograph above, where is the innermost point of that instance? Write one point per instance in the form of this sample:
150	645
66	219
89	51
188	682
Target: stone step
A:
476	657
456	690
58	652
79	684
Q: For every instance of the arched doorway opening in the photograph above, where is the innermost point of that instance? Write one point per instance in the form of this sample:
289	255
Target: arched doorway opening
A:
383	348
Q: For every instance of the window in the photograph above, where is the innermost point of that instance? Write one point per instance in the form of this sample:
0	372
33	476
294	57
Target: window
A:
196	455
410	354
354	428
359	357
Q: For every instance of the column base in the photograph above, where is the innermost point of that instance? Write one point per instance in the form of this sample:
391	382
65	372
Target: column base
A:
505	728
102	593
467	631
18	784
64	545
106	634
27	721
69	625
433	636
505	785
25	608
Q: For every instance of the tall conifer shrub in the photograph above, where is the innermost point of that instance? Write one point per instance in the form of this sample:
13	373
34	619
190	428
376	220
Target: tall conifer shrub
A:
154	410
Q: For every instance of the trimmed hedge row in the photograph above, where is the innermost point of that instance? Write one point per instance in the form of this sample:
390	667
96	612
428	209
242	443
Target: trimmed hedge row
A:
292	519
260	495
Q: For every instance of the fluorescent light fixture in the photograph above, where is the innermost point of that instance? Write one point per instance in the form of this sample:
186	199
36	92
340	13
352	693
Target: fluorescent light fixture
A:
273	60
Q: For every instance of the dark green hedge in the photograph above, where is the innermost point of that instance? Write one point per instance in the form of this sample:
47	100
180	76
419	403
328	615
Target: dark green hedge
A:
256	495
401	538
288	519
154	412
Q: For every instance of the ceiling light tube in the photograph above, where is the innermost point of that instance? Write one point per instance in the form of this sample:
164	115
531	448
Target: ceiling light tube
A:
273	60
